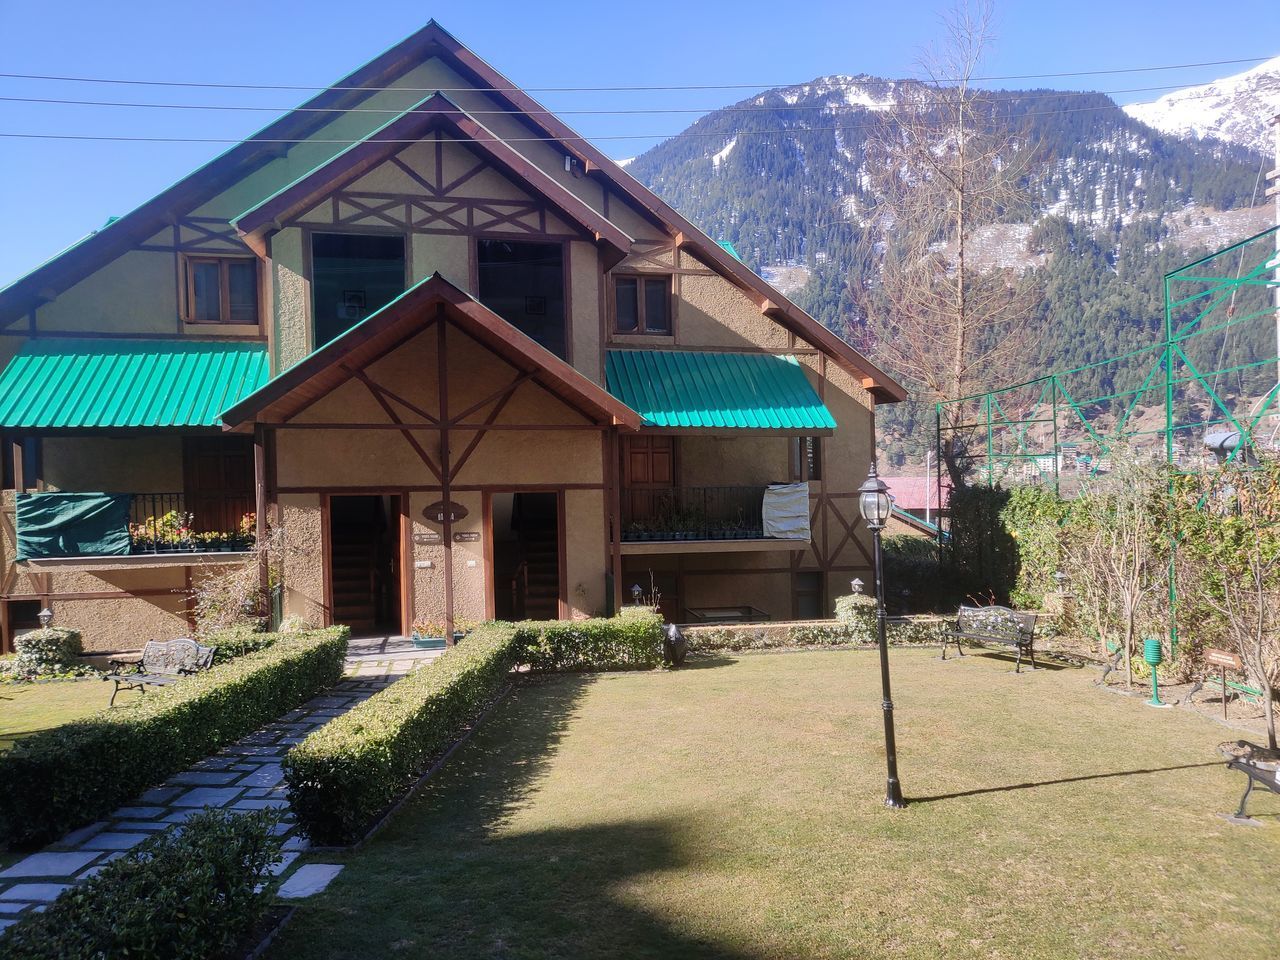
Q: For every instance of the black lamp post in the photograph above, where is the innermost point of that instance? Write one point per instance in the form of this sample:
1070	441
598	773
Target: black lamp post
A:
875	506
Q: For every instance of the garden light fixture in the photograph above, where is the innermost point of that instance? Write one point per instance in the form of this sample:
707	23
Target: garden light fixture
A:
45	617
637	593
874	503
1154	656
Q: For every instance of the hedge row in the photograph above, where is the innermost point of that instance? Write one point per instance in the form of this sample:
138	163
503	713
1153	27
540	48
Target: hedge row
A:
181	895
631	639
62	778
345	774
854	628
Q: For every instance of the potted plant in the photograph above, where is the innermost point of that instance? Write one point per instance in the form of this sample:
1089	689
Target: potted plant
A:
248	532
428	634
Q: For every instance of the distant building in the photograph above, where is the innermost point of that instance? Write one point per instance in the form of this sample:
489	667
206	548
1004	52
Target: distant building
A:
919	496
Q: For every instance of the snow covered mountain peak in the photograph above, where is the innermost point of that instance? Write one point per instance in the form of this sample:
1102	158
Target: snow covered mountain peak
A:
1236	109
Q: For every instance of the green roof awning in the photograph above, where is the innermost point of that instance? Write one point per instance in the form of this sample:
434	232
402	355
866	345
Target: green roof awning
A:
686	388
71	384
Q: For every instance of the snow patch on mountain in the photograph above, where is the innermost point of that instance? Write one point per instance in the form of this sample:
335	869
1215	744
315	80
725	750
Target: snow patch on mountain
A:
720	156
625	162
1236	109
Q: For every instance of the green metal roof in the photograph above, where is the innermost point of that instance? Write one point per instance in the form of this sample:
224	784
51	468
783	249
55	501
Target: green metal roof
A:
685	388
127	383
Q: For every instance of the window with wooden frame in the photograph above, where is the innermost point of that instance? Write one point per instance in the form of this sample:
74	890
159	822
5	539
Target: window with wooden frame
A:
220	290
642	304
806	458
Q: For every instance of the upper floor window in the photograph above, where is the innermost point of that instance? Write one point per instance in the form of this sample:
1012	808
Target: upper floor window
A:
221	290
522	281
352	276
642	305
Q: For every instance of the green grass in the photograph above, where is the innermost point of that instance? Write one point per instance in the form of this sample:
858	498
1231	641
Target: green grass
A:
733	811
27	708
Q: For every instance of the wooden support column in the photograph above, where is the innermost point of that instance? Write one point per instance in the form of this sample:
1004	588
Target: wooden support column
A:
613	498
260	512
445	476
19	477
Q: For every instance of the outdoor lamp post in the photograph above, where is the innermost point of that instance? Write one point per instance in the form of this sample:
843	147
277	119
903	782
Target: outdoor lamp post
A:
637	592
875	505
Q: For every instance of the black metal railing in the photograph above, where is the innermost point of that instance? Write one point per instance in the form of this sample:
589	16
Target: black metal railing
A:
173	523
692	513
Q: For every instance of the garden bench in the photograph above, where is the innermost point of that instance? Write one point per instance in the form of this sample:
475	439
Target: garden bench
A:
162	662
994	625
1261	765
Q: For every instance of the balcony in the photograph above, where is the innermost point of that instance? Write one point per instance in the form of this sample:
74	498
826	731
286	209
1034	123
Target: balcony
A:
727	518
129	529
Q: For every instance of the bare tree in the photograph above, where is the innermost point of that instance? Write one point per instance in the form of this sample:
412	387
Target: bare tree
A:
942	166
1239	570
1122	516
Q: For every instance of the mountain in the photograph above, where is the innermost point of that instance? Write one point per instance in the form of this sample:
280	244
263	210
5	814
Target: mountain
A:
1114	205
1236	109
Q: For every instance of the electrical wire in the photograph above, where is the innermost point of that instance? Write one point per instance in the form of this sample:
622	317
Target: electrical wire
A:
619	88
997	97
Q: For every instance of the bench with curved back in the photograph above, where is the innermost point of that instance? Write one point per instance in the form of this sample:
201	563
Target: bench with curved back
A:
994	625
162	662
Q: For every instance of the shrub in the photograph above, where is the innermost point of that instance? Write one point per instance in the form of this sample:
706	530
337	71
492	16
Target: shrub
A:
631	639
49	651
233	642
772	636
180	895
345	774
62	778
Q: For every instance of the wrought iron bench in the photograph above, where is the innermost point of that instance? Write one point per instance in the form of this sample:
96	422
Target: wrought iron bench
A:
162	662
1261	765
994	625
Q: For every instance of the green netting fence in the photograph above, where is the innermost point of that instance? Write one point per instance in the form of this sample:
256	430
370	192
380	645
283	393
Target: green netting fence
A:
1212	368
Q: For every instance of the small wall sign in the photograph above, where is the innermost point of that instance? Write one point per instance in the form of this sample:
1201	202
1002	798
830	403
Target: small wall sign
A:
439	511
431	536
466	536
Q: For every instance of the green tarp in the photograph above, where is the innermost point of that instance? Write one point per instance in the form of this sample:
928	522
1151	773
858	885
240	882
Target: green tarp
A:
72	525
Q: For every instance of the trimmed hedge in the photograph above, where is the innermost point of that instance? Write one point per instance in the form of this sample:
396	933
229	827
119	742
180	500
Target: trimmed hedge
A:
233	642
345	774
63	778
633	639
855	627
180	895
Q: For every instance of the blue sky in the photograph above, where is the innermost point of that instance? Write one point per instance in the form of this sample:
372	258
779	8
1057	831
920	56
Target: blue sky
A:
56	191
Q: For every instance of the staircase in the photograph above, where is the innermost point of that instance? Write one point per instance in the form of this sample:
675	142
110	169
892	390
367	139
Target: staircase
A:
354	603
541	572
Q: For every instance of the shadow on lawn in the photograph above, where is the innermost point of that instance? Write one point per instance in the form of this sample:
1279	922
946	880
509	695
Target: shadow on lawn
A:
1044	663
1049	783
459	873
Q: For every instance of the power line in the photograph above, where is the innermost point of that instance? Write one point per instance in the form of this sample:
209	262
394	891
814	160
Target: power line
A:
609	89
761	108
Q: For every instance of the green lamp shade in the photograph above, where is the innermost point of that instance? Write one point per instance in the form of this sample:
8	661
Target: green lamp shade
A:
1151	651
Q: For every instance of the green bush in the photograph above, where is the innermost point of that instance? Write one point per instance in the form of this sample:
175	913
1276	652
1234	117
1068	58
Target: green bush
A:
48	652
345	774
180	895
233	642
772	636
631	639
62	778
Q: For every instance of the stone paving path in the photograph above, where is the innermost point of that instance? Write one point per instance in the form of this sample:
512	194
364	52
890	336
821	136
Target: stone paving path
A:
244	776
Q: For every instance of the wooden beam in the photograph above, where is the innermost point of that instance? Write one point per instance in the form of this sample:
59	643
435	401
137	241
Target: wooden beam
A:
444	475
260	513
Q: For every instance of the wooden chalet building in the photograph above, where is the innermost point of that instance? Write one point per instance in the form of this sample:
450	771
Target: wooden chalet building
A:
464	362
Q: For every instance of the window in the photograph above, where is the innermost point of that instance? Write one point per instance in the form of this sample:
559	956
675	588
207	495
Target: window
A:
523	283
352	276
806	587
221	290
642	305
806	458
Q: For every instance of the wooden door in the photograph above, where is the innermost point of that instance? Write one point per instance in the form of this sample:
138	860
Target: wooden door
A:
648	476
217	481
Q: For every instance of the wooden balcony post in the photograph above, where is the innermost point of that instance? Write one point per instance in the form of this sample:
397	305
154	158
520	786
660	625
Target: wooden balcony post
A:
260	512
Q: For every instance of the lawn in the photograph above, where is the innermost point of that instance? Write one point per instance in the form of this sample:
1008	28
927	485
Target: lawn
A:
733	811
27	708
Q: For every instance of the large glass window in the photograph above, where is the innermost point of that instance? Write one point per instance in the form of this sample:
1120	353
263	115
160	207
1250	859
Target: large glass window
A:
352	276
523	283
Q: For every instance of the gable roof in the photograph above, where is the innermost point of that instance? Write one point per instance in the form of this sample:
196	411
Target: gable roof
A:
431	41
384	330
434	112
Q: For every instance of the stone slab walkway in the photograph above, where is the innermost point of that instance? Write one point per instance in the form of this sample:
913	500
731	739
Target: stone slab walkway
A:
244	776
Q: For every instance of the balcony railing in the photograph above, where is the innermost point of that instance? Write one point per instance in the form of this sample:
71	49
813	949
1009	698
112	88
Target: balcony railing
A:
692	513
59	524
167	523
